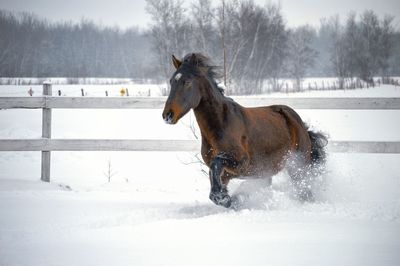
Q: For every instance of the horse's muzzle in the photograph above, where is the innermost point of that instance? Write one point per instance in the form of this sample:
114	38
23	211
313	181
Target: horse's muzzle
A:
168	117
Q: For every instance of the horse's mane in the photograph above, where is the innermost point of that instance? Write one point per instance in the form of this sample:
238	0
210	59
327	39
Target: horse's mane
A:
199	64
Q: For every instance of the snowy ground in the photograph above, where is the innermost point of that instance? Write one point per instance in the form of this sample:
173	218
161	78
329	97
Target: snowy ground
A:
156	210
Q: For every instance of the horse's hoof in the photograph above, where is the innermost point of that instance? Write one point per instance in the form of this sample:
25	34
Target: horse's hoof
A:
222	199
306	196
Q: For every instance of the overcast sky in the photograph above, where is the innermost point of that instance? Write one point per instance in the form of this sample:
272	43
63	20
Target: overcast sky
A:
126	13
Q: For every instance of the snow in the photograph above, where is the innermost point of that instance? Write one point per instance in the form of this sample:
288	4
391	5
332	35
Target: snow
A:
155	210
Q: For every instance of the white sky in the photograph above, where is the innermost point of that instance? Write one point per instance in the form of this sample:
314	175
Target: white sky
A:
126	13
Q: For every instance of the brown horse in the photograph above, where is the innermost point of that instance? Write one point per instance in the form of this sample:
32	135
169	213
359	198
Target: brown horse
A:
238	141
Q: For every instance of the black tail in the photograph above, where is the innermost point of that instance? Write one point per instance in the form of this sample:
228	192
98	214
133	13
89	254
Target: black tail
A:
318	144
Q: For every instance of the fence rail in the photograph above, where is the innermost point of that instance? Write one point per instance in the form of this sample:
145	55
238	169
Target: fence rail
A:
45	144
158	102
47	102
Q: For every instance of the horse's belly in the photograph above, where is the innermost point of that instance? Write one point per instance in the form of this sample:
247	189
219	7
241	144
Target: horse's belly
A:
267	164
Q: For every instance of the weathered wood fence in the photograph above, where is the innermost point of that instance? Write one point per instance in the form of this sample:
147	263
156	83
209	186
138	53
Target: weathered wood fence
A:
47	102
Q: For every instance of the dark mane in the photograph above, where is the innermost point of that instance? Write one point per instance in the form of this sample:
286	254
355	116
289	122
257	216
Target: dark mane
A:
200	64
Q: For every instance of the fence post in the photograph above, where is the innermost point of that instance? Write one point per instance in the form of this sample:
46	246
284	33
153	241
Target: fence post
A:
46	133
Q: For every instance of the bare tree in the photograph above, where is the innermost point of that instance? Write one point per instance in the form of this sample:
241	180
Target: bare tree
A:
394	60
369	45
169	31
273	48
301	55
203	30
232	41
110	171
338	49
350	54
386	45
255	40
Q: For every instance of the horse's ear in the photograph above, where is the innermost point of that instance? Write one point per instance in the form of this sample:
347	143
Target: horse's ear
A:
193	59
177	63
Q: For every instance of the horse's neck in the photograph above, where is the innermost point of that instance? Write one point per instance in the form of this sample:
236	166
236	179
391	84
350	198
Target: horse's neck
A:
209	113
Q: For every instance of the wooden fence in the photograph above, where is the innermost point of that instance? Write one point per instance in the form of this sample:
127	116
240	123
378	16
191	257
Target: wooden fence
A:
47	102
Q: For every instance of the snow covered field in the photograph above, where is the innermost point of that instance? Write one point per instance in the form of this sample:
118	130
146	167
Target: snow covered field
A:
155	210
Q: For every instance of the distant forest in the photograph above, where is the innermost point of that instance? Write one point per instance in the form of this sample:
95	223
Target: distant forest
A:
33	47
258	44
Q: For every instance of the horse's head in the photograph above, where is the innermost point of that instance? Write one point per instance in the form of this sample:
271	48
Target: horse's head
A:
185	93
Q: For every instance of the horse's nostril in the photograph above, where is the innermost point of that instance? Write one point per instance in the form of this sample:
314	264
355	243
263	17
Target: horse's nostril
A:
168	117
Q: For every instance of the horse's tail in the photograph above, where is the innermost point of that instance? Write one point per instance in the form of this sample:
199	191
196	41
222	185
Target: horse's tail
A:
318	147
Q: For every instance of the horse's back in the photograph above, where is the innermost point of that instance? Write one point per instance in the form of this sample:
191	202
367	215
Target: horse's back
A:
276	115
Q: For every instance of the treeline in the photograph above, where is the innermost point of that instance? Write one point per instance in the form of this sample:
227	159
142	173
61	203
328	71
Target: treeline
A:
259	48
363	47
34	47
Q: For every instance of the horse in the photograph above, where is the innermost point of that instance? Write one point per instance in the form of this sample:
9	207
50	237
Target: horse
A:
240	142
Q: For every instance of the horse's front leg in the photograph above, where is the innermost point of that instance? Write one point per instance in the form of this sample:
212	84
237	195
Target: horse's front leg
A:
219	192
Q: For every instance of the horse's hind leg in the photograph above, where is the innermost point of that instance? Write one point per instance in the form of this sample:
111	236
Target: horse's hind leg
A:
300	175
302	186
